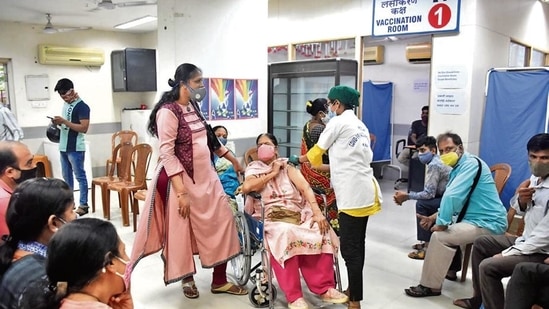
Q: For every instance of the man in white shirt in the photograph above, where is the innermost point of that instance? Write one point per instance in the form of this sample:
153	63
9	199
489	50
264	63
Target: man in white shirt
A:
9	128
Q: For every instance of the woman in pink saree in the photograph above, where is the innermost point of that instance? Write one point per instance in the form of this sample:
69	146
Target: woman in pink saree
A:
186	211
298	236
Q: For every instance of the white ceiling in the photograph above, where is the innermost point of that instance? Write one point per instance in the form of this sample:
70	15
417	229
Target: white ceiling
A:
76	13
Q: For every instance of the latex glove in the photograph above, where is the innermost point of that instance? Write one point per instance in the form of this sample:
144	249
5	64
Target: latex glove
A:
294	160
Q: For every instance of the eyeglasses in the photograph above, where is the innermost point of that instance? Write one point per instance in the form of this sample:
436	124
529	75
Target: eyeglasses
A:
331	102
64	92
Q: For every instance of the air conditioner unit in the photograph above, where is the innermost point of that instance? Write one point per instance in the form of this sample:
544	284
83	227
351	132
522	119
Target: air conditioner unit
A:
419	53
373	54
48	54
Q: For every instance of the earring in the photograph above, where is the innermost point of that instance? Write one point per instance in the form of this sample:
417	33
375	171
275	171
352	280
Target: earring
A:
103	270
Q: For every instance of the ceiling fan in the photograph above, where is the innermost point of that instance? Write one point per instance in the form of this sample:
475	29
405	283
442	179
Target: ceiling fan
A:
110	5
50	29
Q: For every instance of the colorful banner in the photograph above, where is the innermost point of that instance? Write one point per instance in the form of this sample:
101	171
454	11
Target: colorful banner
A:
246	98
205	103
222	98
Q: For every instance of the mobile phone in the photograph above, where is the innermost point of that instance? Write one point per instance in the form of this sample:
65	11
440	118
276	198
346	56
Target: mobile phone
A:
50	117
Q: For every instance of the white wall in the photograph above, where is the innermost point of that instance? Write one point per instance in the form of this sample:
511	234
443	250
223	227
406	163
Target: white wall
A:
20	45
486	28
225	39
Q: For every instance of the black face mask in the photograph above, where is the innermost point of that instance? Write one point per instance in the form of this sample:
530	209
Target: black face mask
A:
25	174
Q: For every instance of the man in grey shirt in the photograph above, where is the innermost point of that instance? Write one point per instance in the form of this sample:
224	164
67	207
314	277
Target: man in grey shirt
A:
9	128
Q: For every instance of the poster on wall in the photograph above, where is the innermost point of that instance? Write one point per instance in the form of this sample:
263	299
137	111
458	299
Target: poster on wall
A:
221	98
246	98
205	103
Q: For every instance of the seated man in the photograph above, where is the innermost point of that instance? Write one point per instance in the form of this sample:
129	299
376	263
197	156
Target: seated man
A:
297	234
471	193
528	286
417	130
428	200
495	257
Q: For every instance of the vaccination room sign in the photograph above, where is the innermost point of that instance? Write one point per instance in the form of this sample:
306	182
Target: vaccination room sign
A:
396	17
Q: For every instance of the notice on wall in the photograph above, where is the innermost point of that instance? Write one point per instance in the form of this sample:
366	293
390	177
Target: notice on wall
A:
421	85
450	102
450	77
396	17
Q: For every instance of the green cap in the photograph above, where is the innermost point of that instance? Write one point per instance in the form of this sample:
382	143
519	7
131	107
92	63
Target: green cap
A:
345	95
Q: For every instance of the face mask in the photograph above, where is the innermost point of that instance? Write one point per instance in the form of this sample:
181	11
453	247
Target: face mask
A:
326	118
265	152
539	169
197	94
123	276
331	114
426	157
450	158
222	140
25	174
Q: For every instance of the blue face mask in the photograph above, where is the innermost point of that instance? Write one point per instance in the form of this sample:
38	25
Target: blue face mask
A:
331	114
222	140
426	157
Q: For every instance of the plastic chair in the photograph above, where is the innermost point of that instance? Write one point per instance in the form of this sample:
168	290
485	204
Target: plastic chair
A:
44	165
399	146
122	152
117	138
141	157
140	195
501	173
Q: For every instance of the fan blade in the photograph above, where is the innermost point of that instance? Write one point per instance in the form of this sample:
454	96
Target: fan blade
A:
73	29
134	3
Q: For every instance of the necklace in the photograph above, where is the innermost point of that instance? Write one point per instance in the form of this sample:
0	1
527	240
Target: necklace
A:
188	108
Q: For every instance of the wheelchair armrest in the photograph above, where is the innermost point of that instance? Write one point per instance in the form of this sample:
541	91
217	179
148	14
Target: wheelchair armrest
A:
255	195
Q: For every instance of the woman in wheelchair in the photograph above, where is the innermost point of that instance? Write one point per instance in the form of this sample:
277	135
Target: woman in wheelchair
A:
298	236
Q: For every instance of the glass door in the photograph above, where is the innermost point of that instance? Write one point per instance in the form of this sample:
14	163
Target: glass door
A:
289	108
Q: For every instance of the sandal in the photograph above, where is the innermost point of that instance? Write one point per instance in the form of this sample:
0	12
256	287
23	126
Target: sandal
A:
417	255
353	305
229	288
468	303
190	290
419	246
421	291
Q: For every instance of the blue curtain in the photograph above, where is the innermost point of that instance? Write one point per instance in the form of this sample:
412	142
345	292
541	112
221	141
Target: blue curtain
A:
516	109
377	101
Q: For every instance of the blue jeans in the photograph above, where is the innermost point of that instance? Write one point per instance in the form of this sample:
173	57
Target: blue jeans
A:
74	162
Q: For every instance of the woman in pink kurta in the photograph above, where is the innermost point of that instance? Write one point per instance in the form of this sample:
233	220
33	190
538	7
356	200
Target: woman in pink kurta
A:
297	234
186	210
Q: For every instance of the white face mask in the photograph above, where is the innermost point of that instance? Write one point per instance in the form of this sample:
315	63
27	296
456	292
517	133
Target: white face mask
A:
123	276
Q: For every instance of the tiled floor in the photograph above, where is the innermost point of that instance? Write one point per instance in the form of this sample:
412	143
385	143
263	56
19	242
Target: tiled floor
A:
387	272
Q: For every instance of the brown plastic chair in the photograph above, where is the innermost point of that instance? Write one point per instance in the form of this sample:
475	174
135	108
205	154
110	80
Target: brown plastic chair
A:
140	195
141	157
122	152
501	173
250	155
117	138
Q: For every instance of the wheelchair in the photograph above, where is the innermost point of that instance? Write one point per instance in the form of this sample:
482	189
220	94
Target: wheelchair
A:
252	239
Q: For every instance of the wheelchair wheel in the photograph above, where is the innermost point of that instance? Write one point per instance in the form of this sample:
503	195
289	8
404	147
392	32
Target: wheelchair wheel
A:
241	264
262	301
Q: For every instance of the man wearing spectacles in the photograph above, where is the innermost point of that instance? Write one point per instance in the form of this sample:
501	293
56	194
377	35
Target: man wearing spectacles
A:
74	123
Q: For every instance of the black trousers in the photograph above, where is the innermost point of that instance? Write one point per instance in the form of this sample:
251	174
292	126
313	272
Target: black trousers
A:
529	285
352	233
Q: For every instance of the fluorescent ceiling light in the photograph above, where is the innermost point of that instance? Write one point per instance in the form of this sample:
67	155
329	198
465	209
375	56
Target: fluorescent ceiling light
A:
136	22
